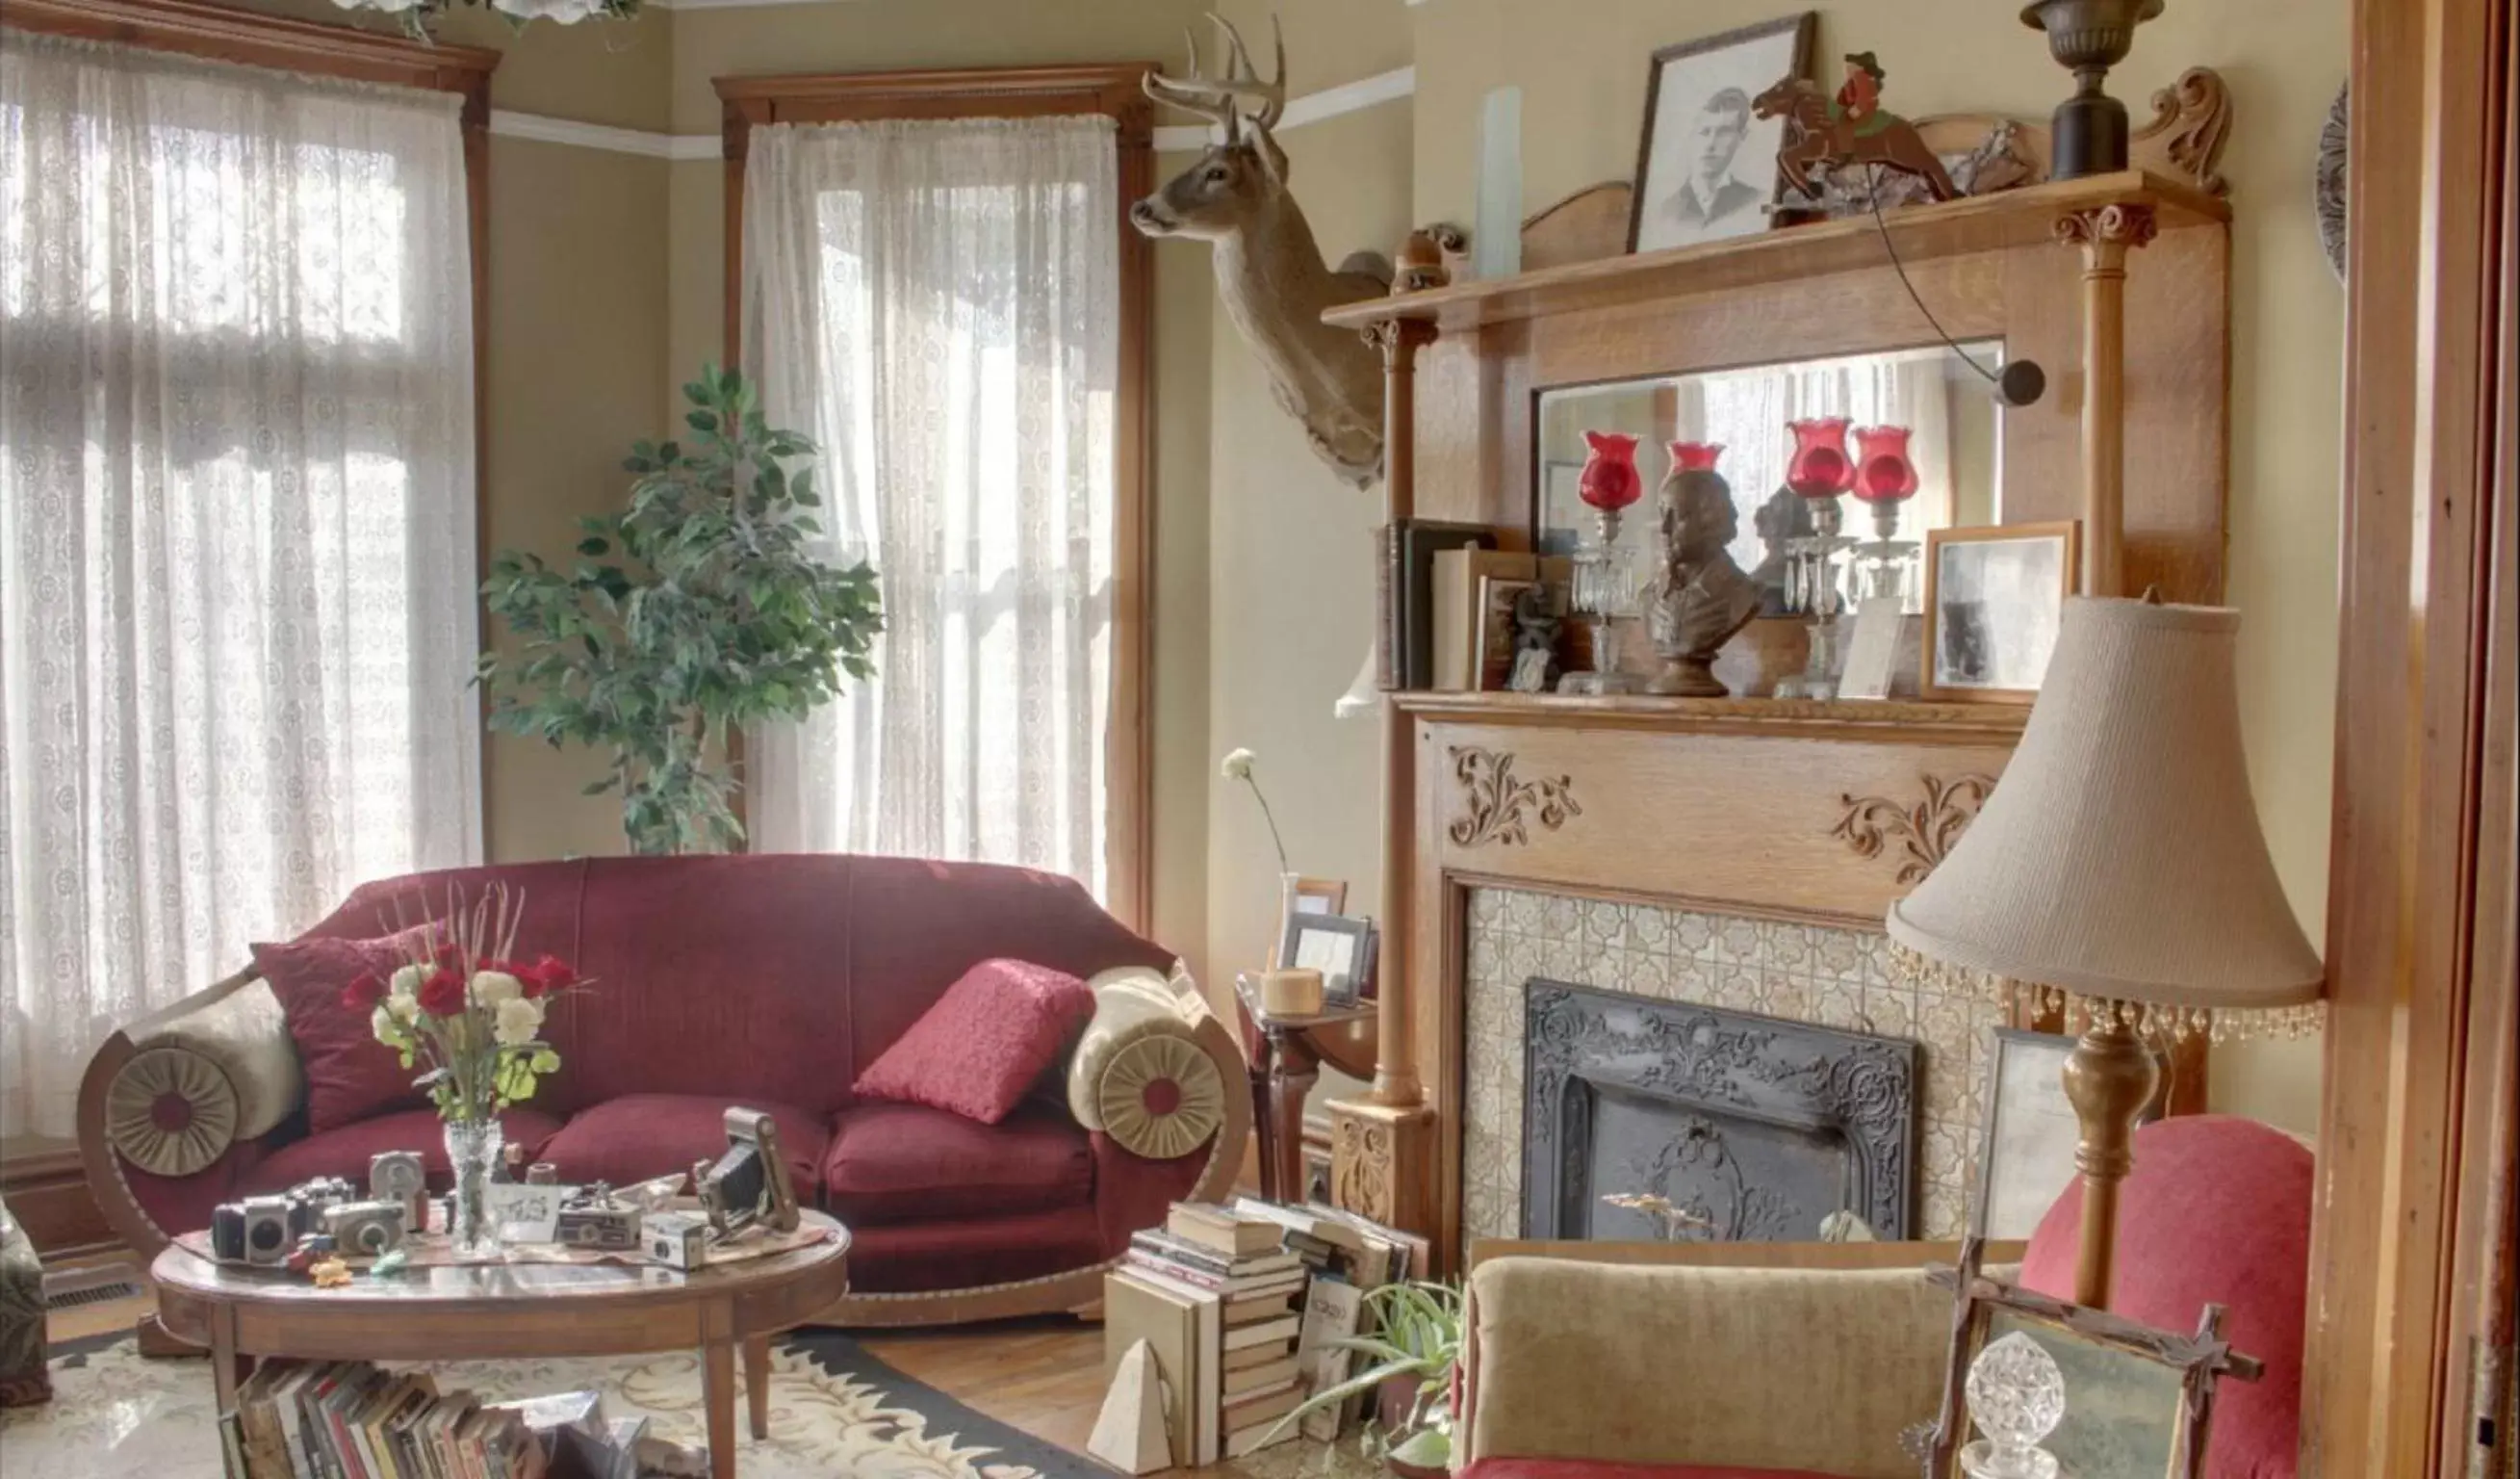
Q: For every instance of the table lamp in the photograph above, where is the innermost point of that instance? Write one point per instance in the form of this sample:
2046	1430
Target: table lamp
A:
2117	872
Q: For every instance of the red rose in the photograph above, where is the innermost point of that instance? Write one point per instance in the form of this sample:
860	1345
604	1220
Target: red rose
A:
549	974
363	993
443	995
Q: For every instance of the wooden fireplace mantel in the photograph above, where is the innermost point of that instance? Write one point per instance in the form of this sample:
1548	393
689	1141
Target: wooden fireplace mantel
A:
1818	813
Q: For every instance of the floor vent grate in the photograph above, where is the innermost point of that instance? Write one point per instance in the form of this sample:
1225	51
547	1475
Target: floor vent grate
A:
72	1288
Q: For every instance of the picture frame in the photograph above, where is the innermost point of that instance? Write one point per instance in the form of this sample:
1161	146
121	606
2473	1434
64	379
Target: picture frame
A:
1873	650
1558	494
1340	947
1311	896
2027	1140
526	1212
1492	664
1706	166
2140	1400
1994	599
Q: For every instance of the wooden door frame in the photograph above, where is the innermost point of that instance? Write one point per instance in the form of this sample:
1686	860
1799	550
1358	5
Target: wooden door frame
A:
2419	947
1114	90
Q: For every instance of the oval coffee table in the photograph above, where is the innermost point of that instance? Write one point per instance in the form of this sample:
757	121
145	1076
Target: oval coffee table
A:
482	1312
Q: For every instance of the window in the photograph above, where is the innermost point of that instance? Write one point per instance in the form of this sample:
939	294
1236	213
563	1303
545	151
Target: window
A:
943	304
237	562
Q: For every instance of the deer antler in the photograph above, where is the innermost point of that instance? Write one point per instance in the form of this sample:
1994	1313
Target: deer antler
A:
1219	100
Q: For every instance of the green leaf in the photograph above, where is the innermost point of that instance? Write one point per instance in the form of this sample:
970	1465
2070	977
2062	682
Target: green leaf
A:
593	546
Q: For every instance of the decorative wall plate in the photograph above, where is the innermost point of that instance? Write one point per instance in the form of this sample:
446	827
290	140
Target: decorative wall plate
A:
2327	185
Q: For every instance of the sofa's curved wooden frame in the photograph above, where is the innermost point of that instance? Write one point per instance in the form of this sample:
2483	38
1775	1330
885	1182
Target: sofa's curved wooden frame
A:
1079	1290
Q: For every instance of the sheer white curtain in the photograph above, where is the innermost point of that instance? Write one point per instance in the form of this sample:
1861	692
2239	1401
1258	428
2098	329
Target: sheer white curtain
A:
237	573
1746	410
937	305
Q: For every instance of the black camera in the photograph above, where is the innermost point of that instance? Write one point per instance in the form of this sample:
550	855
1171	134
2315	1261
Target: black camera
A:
258	1231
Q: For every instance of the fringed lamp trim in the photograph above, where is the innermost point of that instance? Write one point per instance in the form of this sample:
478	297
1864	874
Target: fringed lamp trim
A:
2160	1022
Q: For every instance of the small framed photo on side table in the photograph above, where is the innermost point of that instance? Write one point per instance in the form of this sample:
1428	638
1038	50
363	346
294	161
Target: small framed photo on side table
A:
1994	599
1340	948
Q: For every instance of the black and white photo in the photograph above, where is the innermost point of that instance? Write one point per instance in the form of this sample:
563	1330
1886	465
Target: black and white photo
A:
1706	168
1341	949
1994	599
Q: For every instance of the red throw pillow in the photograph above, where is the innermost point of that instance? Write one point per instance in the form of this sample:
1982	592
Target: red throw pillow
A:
984	1042
351	1075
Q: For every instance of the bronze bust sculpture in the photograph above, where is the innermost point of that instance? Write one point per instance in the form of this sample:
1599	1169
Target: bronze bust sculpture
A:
1699	598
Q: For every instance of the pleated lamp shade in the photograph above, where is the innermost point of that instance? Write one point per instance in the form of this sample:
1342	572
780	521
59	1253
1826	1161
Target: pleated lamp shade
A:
2119	860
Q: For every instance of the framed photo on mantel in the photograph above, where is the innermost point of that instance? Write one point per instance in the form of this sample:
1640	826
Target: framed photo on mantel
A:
1706	165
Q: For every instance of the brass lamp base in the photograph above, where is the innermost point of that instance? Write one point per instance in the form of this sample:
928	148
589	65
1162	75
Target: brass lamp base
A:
2108	1080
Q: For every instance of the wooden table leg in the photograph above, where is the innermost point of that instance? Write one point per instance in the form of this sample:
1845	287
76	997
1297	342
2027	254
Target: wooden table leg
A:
757	1383
224	1376
717	1397
1264	1123
1293	1069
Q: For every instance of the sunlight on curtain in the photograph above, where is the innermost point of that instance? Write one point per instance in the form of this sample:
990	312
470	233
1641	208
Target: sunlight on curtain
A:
237	610
937	305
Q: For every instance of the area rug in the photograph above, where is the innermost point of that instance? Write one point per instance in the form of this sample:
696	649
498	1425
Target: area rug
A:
834	1411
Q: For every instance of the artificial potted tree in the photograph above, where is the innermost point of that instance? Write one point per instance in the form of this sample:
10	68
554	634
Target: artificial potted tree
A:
697	609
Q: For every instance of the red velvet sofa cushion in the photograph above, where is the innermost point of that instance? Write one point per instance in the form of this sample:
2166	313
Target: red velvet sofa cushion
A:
345	1152
918	1258
350	1073
984	1042
642	1135
1587	1468
2216	1212
908	1163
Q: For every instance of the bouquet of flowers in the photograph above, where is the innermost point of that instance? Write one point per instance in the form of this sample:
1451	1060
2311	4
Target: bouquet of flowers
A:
462	1004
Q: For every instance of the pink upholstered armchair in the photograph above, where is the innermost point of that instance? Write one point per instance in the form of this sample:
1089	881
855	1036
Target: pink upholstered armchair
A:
1581	1369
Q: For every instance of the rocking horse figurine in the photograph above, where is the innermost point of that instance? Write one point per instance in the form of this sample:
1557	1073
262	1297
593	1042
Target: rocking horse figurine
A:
1852	128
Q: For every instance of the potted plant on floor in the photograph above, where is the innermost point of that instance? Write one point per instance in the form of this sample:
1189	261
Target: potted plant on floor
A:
702	607
1416	1343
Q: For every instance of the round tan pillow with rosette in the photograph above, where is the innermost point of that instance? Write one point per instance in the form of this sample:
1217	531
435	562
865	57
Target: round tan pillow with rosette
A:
1160	1097
170	1111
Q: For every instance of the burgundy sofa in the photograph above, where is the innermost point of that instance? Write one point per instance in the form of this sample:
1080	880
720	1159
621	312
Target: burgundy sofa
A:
765	981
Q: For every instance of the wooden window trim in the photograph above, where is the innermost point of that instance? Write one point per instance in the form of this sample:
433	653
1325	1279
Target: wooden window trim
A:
1114	90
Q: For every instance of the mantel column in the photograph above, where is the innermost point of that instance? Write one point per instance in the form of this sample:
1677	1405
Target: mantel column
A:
1382	1148
2105	235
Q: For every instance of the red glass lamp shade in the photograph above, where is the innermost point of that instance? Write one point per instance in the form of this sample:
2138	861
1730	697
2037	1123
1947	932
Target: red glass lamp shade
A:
1883	473
1821	467
1694	456
1611	480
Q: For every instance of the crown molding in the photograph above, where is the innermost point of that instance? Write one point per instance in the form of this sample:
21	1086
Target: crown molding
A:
1311	108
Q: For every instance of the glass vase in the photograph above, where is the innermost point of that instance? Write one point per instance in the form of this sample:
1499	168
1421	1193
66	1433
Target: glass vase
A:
472	1149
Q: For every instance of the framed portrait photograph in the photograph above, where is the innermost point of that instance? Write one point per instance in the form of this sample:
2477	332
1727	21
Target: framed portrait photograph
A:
1994	599
1706	165
2025	1156
1340	948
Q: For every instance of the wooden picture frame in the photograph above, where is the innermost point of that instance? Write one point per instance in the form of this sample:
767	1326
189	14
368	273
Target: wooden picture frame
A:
2025	1157
1312	897
2168	1379
1341	949
2006	650
1739	206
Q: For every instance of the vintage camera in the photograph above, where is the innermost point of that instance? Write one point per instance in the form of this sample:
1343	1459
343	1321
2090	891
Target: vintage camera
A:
596	1218
365	1229
677	1240
749	1185
258	1231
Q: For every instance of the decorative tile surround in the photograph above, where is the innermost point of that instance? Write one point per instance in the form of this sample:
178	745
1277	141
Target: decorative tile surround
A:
1809	972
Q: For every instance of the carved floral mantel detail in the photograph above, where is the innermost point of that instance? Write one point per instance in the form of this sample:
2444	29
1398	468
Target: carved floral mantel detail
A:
1925	830
1494	800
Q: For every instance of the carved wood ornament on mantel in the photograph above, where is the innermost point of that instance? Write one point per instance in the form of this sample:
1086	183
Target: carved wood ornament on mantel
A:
1492	801
1926	830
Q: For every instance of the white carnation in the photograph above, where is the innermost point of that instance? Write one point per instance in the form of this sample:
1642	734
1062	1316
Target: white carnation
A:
403	1009
406	982
520	1019
1238	765
495	987
382	1022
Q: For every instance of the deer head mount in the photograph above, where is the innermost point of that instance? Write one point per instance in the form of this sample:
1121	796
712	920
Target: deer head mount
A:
1268	271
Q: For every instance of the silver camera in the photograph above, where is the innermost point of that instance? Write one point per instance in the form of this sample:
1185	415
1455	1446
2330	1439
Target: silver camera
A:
268	1233
365	1229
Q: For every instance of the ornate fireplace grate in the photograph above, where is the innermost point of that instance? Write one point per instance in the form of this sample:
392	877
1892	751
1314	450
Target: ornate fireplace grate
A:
1647	1119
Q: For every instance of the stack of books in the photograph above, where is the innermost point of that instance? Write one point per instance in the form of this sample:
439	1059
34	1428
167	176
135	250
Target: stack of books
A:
350	1420
1345	1256
1216	1296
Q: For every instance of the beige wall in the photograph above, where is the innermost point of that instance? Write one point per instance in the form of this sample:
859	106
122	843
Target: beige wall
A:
1292	572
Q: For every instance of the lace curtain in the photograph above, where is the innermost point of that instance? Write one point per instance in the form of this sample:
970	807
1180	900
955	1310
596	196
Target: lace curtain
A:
937	305
236	525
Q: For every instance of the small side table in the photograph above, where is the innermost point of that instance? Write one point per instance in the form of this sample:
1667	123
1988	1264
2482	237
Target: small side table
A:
1282	1079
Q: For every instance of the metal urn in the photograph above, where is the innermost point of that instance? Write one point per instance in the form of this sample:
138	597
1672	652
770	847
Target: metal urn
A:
2087	37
